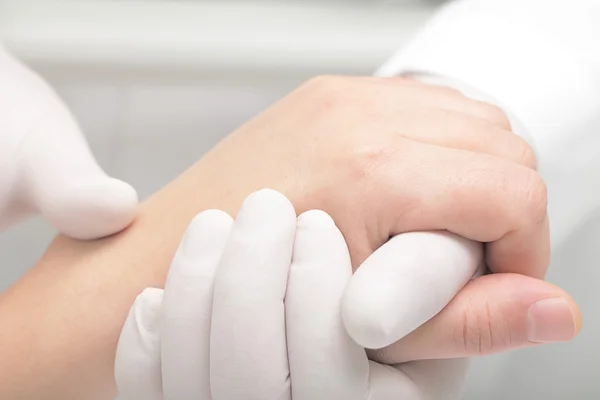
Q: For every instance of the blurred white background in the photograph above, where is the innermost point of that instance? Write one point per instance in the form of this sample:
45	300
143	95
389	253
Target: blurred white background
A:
154	84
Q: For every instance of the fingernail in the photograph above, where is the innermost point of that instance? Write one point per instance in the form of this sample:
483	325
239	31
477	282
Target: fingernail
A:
550	320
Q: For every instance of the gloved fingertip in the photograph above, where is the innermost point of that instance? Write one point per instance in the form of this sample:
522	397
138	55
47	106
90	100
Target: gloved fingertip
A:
315	218
204	232
91	207
265	206
377	315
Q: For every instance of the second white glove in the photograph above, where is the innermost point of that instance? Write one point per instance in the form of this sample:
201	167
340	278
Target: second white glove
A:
252	310
46	165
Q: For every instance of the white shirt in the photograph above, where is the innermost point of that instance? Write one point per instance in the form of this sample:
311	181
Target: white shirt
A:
539	60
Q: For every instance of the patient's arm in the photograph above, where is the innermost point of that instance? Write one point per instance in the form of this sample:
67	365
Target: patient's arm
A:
60	323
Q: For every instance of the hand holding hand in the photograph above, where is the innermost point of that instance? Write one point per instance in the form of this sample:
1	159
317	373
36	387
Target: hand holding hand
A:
252	310
389	156
385	156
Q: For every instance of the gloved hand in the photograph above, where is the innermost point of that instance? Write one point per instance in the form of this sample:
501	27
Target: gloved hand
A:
252	310
46	165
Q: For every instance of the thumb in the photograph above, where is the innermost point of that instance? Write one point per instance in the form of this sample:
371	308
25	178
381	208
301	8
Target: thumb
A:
493	313
137	362
55	172
62	180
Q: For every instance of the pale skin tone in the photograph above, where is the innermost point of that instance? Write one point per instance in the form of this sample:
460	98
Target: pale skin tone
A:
381	156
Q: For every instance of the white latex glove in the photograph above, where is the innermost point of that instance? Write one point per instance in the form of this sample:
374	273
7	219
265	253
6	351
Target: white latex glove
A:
252	310
46	165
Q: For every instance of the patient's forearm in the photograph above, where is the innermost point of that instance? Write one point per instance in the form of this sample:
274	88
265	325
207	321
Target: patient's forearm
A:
60	323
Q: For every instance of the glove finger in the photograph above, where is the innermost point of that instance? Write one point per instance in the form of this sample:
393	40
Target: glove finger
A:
187	307
406	282
137	362
248	352
325	363
56	171
438	379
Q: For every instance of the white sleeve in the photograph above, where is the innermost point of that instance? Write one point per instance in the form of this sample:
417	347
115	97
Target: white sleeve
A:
539	60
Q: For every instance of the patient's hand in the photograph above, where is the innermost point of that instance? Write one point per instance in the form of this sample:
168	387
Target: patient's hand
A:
46	165
385	156
252	310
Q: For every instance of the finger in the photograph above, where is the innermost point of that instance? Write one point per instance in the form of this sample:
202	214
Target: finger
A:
477	196
137	362
453	129
526	249
493	313
61	177
405	283
420	90
325	363
438	379
248	354
187	307
440	97
453	120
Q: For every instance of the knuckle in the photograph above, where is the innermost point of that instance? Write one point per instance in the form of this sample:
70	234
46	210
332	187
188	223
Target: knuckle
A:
478	332
536	198
459	123
524	153
495	115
